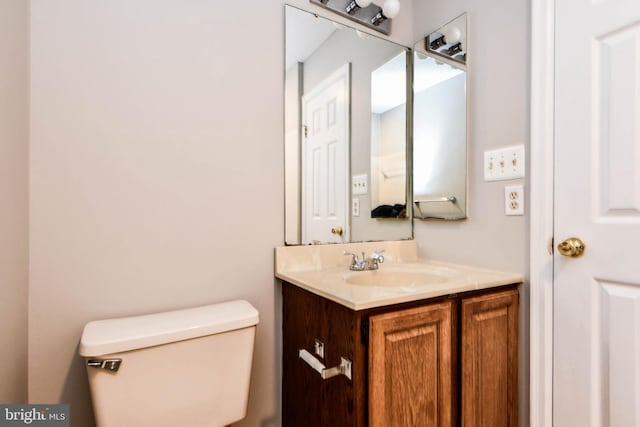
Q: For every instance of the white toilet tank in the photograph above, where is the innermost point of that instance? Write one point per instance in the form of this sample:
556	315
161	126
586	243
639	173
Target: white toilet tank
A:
180	368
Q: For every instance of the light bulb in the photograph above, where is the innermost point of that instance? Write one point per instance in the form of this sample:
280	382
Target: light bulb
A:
363	3
391	8
452	35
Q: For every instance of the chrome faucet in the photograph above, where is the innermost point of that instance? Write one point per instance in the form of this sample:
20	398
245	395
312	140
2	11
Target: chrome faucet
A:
371	263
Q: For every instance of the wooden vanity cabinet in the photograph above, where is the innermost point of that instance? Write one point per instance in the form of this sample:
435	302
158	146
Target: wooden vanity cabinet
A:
446	361
489	366
411	381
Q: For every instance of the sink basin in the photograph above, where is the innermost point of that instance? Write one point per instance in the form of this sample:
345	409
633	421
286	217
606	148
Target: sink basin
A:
394	278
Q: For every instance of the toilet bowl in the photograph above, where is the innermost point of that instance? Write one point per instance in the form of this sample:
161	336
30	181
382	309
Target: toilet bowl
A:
180	368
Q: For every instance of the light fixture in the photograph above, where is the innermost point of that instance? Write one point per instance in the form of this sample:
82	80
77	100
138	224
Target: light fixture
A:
352	7
449	41
391	8
374	14
437	43
452	34
378	19
454	49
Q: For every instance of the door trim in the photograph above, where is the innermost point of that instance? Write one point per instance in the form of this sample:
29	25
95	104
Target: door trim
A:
541	211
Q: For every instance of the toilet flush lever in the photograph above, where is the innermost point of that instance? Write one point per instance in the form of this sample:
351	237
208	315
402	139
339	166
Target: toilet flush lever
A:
109	364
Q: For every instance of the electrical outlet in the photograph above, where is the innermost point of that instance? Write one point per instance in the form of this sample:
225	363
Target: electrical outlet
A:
504	163
359	184
355	207
513	200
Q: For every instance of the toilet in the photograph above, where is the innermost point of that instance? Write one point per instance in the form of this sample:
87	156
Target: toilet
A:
179	368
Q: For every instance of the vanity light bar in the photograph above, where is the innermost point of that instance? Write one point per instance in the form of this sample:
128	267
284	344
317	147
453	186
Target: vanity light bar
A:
370	16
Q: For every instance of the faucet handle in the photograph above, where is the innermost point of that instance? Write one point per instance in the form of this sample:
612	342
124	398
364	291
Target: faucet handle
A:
377	255
355	257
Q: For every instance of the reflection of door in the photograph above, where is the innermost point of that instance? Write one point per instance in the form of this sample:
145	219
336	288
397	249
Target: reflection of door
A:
596	371
325	159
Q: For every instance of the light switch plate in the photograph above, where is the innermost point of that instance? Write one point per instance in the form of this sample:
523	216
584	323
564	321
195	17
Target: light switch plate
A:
504	163
359	184
513	200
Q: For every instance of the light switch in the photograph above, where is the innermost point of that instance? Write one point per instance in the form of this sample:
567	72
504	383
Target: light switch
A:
359	184
504	163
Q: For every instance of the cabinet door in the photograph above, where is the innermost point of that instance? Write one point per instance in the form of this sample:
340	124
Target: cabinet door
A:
490	360
410	371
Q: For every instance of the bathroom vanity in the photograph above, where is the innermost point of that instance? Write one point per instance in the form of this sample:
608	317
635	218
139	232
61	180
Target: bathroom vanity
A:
396	350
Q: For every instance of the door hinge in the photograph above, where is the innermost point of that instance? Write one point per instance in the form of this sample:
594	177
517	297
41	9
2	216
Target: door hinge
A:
306	130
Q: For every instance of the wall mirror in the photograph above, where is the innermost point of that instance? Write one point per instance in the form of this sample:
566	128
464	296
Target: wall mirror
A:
440	123
346	176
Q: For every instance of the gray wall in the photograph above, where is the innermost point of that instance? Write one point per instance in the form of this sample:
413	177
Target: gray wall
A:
152	120
14	134
498	116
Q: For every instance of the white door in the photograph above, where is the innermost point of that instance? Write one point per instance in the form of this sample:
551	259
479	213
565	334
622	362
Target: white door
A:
325	159
596	371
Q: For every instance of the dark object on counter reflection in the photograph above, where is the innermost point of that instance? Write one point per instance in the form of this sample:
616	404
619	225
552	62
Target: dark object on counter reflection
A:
388	211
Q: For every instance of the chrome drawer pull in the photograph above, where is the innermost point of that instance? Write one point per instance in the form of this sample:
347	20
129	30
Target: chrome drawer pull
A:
343	369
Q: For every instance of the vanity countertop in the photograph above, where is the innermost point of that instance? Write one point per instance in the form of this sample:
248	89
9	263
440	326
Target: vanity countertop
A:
403	277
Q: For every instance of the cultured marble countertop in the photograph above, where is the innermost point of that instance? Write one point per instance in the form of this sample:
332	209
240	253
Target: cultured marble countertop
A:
324	271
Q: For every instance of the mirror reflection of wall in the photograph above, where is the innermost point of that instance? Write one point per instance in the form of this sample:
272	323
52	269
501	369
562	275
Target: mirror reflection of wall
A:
440	128
388	136
315	49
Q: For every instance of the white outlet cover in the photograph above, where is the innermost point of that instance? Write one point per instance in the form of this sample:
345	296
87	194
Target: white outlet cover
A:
504	163
355	207
513	200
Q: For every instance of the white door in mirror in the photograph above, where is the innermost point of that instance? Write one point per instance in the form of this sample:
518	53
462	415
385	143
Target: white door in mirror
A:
325	159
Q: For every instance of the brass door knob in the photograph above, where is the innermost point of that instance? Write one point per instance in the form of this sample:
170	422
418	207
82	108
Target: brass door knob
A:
572	247
337	231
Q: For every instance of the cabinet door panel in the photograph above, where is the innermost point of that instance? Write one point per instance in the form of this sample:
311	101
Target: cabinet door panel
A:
490	360
410	371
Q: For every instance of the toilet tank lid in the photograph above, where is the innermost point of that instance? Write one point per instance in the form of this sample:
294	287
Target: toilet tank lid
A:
110	336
